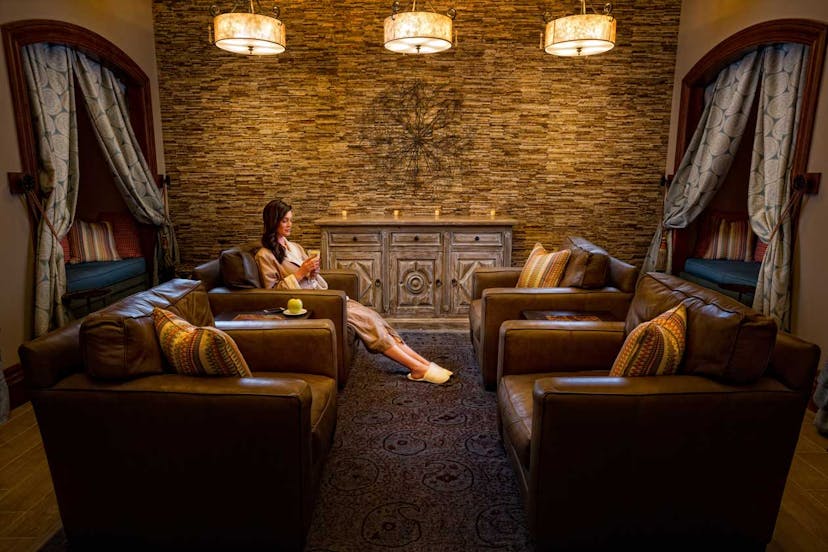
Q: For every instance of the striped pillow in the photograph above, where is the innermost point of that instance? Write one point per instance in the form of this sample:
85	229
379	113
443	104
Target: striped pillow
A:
729	239
92	241
543	268
197	351
654	348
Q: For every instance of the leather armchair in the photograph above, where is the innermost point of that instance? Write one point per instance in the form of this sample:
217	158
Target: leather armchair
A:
697	460
496	300
145	458
330	304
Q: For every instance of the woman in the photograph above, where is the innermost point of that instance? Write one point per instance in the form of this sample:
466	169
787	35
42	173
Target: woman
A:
285	265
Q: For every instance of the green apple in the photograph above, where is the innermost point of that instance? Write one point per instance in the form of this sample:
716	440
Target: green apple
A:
294	305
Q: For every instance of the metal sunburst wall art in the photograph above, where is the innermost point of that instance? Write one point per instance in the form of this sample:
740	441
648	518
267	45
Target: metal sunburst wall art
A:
416	131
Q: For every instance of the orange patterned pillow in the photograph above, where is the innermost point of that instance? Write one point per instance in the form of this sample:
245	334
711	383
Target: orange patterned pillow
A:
543	268
654	348
195	351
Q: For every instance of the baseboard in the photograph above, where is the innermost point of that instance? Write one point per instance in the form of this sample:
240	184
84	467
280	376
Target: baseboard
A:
16	383
429	324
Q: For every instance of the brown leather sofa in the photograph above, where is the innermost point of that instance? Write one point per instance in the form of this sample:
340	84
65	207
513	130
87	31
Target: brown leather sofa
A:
144	458
496	300
696	461
232	282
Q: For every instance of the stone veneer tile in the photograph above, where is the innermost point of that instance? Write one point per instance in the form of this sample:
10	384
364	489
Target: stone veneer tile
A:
566	146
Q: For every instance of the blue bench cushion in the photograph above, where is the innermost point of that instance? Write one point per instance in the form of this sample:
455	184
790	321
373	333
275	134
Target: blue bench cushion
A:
723	272
102	274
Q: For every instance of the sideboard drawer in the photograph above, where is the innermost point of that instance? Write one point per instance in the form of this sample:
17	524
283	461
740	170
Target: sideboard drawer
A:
477	238
415	238
351	238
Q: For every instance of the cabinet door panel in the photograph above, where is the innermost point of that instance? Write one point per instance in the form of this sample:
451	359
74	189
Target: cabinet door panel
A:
416	277
368	266
463	265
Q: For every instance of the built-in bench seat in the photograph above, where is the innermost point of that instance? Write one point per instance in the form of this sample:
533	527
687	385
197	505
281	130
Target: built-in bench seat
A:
736	279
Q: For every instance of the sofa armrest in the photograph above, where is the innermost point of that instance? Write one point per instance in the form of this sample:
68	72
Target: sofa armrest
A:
501	304
697	444
498	277
51	357
529	346
157	433
305	346
794	362
342	280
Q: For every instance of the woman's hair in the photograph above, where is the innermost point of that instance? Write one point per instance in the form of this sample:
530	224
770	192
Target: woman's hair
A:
274	212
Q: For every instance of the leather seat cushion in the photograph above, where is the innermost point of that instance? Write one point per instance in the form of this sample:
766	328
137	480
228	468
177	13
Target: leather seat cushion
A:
515	404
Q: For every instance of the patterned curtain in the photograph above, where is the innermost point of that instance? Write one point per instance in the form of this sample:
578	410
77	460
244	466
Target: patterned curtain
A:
48	71
106	101
769	189
709	155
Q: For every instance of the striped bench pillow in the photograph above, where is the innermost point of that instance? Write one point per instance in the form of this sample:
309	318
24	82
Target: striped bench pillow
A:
92	241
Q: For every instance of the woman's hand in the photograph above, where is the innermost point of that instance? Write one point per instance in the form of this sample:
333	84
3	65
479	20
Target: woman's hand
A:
309	268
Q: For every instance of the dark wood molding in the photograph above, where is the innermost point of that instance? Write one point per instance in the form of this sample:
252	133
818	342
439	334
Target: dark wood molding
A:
17	385
800	31
21	33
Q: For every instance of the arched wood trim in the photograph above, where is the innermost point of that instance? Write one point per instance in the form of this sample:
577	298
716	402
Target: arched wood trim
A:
31	31
800	31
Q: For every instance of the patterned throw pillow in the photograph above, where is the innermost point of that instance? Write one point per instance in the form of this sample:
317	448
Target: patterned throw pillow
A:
125	230
197	351
92	241
654	348
543	268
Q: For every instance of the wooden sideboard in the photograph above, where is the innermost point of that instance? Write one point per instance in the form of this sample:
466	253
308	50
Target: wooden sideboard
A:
416	267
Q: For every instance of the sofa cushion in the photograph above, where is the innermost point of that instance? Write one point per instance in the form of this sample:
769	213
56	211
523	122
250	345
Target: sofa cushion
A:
654	348
543	268
119	342
197	350
515	403
725	339
239	269
585	269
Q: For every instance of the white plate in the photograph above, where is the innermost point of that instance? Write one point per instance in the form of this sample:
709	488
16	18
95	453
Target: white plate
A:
300	313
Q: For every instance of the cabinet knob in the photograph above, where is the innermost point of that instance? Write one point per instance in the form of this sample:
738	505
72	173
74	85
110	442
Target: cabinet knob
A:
438	283
454	282
477	238
377	283
416	238
354	238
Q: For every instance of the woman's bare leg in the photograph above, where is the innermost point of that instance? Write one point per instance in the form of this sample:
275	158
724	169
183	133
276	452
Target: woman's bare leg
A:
412	353
398	354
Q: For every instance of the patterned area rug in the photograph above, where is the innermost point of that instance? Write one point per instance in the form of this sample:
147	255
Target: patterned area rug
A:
417	466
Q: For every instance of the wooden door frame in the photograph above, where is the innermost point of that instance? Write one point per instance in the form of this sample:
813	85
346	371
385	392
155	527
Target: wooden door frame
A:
18	34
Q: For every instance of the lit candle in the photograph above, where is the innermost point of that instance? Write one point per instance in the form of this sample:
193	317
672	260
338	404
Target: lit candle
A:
396	213
436	212
492	213
344	213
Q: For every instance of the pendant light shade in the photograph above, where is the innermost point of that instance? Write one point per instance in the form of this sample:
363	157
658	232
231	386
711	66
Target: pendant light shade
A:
419	32
250	33
582	34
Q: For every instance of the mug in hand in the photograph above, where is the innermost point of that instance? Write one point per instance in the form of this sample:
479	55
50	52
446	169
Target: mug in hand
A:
314	253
